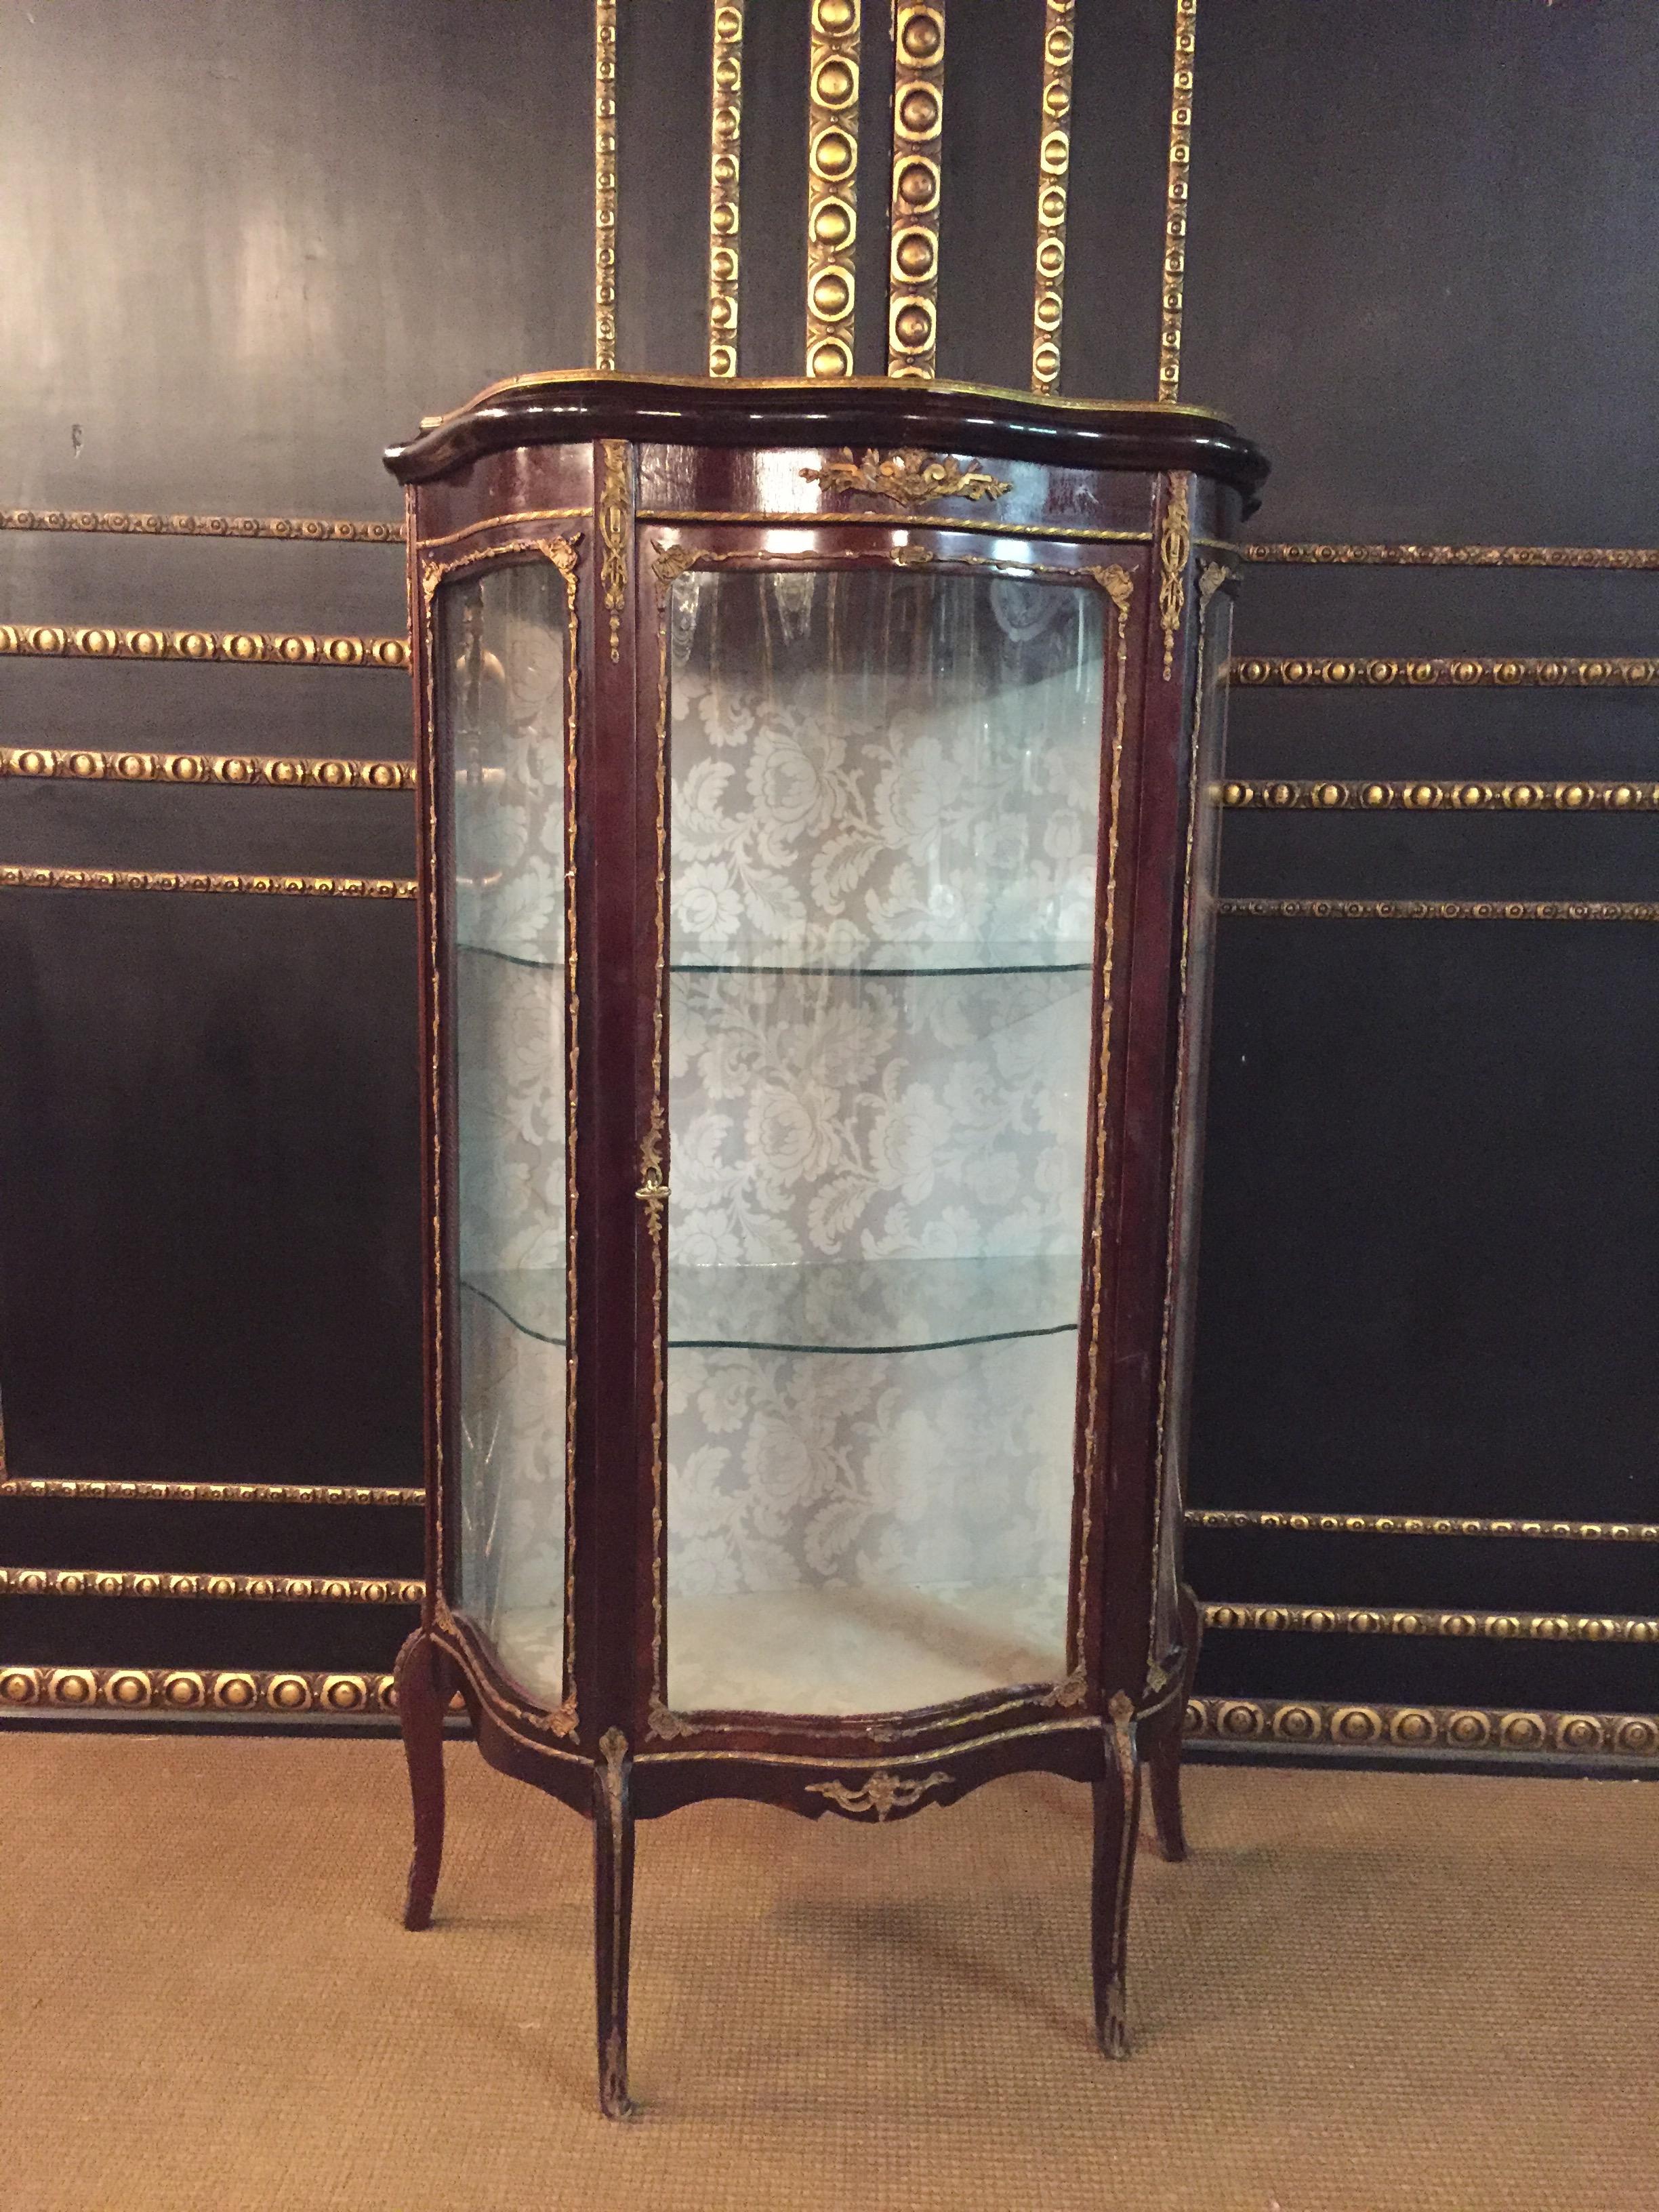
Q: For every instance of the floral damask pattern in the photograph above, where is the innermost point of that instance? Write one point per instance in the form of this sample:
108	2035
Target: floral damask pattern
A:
883	835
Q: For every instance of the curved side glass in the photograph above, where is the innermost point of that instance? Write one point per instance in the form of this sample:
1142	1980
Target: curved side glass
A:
885	815
500	664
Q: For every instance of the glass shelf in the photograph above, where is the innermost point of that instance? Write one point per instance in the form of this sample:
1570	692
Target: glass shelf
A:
1061	957
867	1306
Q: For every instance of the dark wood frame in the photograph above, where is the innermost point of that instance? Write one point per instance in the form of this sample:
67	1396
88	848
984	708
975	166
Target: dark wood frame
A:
626	482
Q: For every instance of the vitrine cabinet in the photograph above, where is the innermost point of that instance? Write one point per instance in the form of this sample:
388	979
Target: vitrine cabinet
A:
817	858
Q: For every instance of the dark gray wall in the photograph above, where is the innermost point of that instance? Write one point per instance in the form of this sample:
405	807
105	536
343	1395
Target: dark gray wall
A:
249	245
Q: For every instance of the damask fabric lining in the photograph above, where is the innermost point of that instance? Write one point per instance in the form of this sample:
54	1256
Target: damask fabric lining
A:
1364	1993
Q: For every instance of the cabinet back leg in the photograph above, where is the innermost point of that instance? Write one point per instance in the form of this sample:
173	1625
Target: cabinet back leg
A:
1163	1762
613	1913
1117	1819
421	1674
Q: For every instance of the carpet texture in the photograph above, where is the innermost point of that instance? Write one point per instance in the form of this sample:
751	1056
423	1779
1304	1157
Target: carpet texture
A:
1365	1991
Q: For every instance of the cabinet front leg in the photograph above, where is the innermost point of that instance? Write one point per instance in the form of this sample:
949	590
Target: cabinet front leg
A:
1164	1761
1117	1819
421	1674
613	1913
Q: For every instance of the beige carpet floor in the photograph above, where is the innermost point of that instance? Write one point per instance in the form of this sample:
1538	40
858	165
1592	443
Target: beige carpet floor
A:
1365	1991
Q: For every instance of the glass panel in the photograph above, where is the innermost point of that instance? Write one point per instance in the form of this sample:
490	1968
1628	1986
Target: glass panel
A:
884	822
500	681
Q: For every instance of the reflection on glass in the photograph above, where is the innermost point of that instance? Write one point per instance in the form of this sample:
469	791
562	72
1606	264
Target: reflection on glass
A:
884	814
500	673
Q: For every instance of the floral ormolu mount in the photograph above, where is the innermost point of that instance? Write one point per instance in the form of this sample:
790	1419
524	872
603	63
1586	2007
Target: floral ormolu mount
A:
811	1198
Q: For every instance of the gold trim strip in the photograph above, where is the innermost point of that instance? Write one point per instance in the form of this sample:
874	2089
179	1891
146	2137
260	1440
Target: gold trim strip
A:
832	167
1083	1722
1404	1620
217	1493
294	1589
1054	167
604	185
1175	201
245	648
1462	673
913	243
228	771
1534	796
501	522
1456	556
151	880
1283	1721
828	520
296	530
1294	909
725	178
192	1689
1423	1524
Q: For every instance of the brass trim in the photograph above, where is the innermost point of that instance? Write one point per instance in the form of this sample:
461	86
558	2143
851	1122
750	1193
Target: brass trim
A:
832	167
1054	167
1436	1620
1055	532
883	1794
227	771
604	185
193	1689
1534	795
1456	556
241	648
554	378
909	478
127	1581
217	1493
149	879
1462	672
1308	910
613	534
918	178
295	529
1175	550
503	522
1175	193
724	179
1284	1721
1086	1724
1424	1524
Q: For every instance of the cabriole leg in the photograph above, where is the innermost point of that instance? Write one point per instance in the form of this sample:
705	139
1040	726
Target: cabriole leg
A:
1117	1817
1164	1760
421	1674
613	1912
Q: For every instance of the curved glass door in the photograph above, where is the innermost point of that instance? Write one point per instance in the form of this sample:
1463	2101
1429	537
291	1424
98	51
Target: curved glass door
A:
884	822
499	647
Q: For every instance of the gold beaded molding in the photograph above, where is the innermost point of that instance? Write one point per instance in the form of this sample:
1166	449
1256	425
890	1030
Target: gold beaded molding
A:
192	1689
1534	797
1407	1620
832	163
912	246
292	1589
234	771
1421	1728
245	648
725	168
1175	201
1457	674
1053	170
157	879
604	185
1305	909
217	1493
291	529
1424	1524
1456	556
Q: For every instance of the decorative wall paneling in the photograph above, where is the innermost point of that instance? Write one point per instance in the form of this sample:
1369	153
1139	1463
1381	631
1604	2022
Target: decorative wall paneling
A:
832	170
1100	320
